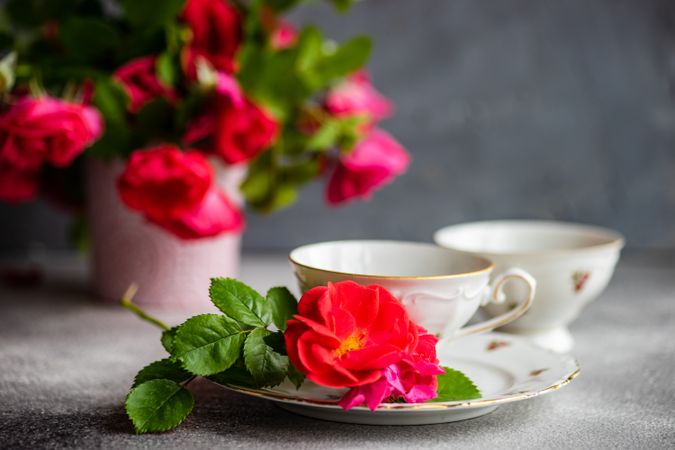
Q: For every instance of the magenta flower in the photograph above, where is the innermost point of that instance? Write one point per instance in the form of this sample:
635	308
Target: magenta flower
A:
412	379
357	96
374	162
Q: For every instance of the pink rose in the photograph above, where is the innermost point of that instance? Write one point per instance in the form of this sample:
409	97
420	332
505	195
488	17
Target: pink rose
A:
216	34
38	130
413	378
356	96
140	80
374	162
175	191
233	127
284	35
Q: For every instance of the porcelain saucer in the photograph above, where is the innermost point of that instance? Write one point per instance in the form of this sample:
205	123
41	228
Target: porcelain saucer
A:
506	368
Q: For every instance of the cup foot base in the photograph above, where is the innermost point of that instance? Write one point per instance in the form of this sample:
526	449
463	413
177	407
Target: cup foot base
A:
557	339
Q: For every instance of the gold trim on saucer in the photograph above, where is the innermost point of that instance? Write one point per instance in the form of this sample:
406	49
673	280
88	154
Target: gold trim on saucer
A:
332	404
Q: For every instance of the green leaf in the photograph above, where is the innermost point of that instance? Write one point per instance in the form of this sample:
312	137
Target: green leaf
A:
268	188
149	15
239	301
111	99
208	344
165	68
309	54
259	180
237	374
349	57
296	377
115	142
162	369
342	5
267	367
7	69
281	5
89	39
167	339
326	136
453	385
158	405
259	77
283	196
276	341
282	304
36	12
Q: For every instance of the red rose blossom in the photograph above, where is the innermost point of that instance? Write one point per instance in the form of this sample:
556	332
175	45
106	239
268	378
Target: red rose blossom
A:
345	335
38	130
373	162
216	33
140	80
243	132
175	191
35	131
234	127
163	182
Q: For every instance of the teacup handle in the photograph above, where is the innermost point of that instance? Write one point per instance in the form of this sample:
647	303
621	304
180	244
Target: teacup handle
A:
495	294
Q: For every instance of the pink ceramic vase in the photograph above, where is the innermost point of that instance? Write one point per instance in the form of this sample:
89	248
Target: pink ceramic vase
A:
171	273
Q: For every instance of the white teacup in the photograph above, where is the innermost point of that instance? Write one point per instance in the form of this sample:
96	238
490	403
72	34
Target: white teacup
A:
572	264
440	288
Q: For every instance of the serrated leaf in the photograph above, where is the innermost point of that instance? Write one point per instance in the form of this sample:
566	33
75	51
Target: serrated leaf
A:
208	344
167	339
239	301
282	305
162	369
296	377
453	385
276	341
158	405
267	367
237	374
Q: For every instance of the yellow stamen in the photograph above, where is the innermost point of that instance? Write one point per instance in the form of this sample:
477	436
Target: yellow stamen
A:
353	342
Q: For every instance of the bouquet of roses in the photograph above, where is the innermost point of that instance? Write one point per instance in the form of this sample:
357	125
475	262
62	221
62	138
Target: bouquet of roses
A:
356	339
177	87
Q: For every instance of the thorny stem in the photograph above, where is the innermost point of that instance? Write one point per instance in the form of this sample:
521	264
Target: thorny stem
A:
127	302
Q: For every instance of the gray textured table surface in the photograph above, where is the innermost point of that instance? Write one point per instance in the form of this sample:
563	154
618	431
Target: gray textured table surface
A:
66	362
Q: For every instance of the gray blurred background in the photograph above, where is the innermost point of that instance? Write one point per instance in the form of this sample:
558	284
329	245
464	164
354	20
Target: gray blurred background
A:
544	109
